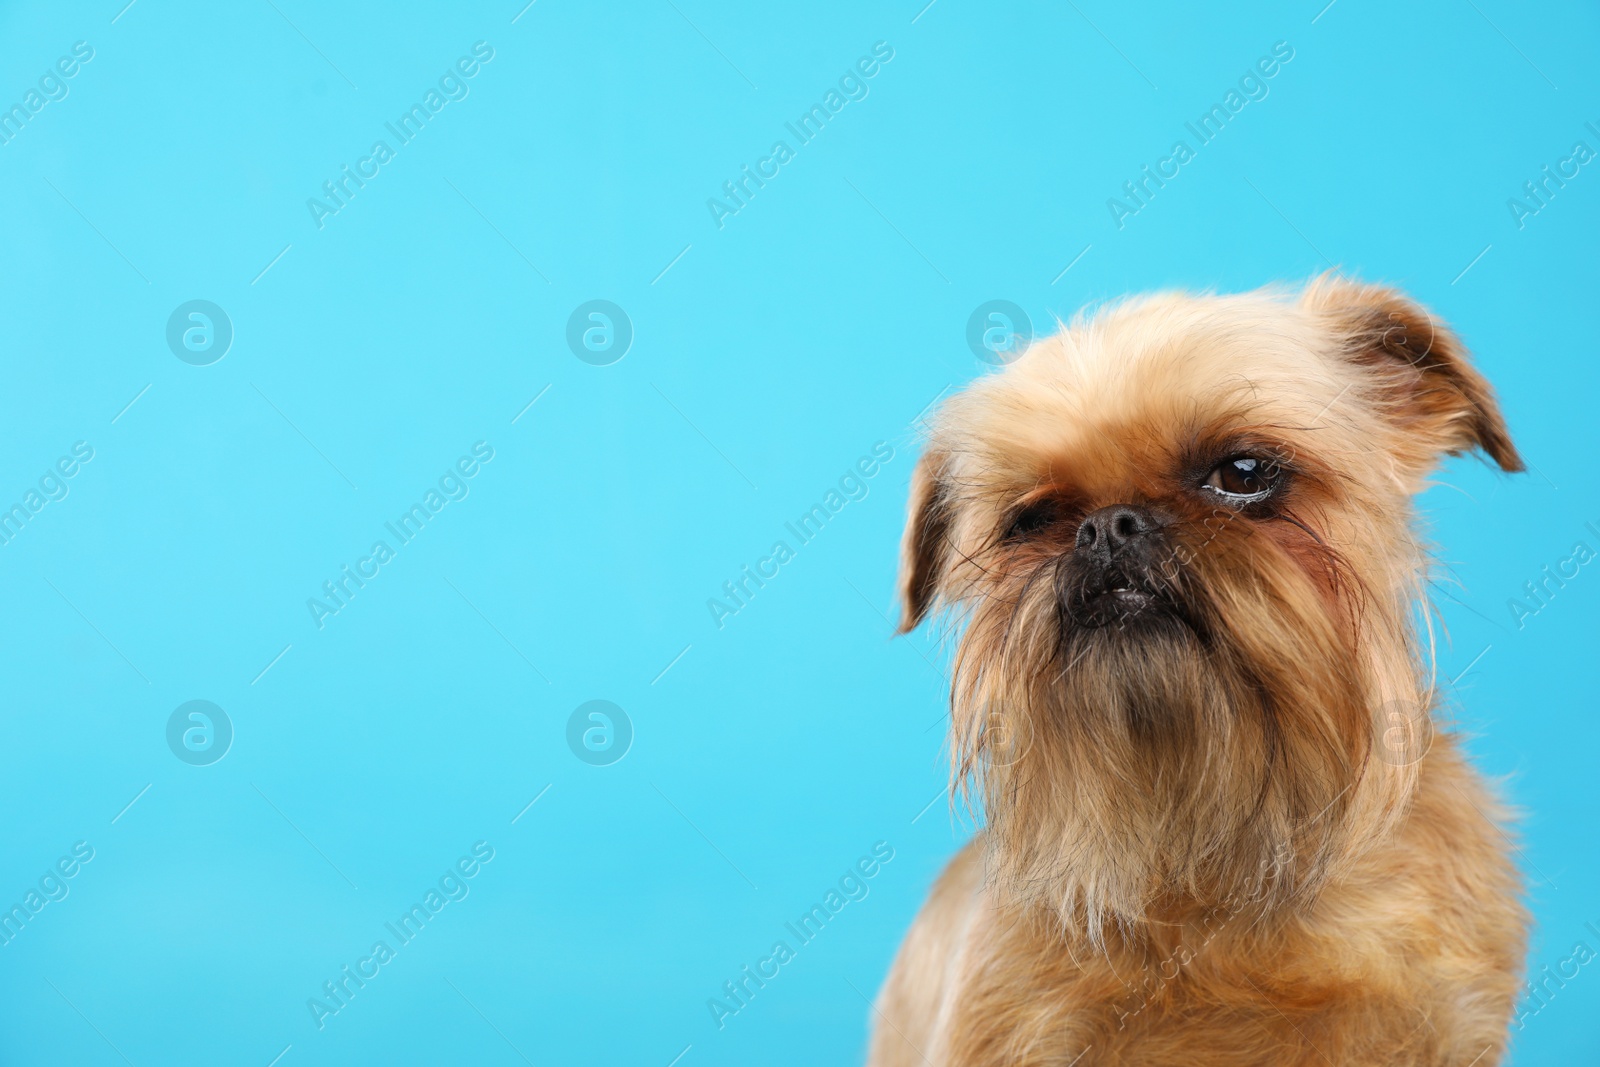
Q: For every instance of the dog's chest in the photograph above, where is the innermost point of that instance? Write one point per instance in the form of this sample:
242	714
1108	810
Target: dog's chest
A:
1190	1005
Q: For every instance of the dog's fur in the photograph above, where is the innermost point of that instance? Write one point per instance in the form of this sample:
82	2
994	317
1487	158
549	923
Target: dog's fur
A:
1227	831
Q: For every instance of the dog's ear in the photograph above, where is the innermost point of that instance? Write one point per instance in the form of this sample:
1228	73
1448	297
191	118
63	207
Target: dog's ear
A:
925	547
1428	382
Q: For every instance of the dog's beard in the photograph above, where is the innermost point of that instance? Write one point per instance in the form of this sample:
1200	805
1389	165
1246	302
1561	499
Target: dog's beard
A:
1211	749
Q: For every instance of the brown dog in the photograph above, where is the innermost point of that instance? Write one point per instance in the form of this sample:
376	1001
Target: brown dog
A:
1190	695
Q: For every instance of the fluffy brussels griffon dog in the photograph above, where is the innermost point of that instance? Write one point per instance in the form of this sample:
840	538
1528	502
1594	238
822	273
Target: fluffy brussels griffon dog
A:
1192	696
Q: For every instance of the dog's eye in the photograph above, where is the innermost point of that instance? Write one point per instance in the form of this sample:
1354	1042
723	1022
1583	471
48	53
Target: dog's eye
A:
1032	519
1243	479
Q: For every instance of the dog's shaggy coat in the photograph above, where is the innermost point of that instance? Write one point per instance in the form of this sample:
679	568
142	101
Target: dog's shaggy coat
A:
1226	829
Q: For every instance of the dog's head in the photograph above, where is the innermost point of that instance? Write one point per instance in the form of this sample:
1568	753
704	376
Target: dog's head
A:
1176	542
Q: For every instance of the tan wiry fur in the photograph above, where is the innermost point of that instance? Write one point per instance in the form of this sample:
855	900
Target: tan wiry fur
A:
1240	838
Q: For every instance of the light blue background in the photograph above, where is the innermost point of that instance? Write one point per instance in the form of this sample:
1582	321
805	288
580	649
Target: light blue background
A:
776	351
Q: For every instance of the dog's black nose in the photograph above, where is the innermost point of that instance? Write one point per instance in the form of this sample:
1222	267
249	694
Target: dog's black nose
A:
1117	572
1114	532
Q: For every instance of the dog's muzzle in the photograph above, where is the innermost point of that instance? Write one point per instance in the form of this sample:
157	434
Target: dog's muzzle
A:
1114	575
